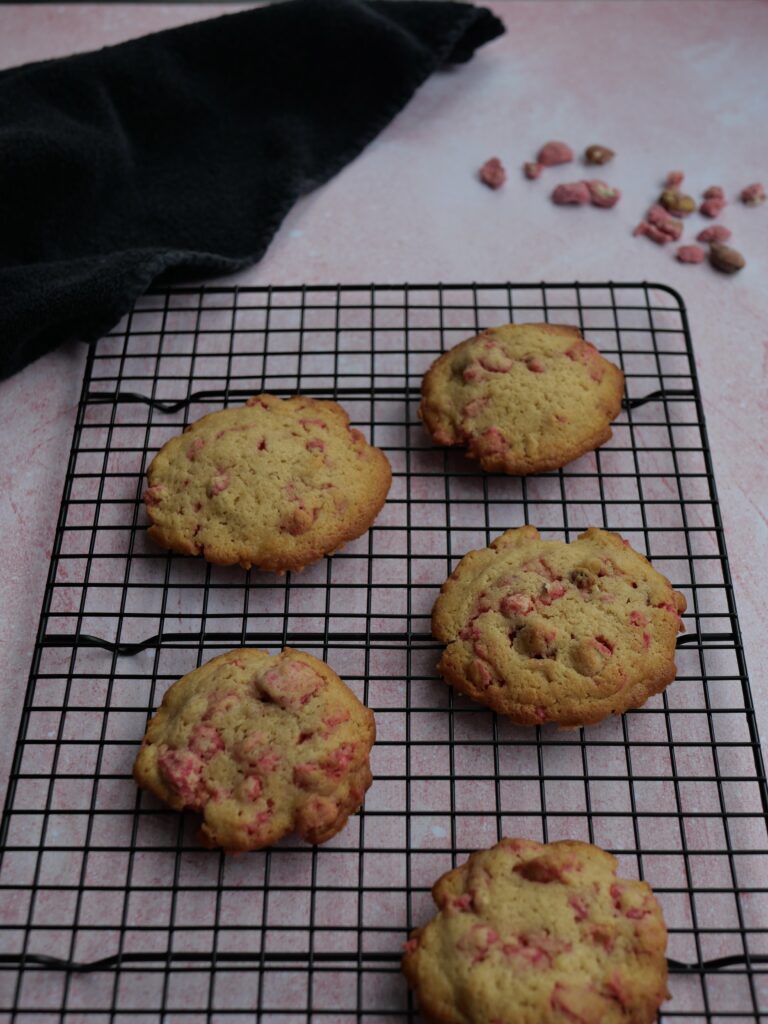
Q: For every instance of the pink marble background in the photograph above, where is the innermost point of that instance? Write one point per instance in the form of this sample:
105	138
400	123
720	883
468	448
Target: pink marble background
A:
667	85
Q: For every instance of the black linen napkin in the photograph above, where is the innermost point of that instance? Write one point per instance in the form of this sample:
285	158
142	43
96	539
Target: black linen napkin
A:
177	155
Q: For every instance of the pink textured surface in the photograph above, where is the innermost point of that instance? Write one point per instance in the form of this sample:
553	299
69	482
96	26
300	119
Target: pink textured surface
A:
411	208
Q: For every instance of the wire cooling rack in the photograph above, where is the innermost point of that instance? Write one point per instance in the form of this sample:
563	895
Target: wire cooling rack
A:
109	909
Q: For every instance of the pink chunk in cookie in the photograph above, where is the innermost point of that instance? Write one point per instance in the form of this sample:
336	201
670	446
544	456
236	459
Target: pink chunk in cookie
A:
494	441
672	609
332	722
218	484
220	702
516	604
249	750
477	942
479	673
205	741
195	448
579	907
541	567
473	408
461	904
250	788
605	647
255	826
290	685
551	593
155	494
536	949
320	812
494	359
628	900
183	771
269	761
336	764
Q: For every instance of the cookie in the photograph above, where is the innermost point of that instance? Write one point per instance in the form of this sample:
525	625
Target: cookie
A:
543	631
523	398
260	746
529	933
275	483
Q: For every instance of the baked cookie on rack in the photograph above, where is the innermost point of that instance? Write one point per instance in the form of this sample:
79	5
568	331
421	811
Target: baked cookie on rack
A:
276	483
260	746
522	398
543	631
528	933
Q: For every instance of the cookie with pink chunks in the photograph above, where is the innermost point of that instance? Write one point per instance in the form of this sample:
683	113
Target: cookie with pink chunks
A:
260	746
276	483
543	631
532	933
523	398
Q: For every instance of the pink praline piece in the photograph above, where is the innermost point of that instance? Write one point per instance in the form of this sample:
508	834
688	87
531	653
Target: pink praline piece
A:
492	173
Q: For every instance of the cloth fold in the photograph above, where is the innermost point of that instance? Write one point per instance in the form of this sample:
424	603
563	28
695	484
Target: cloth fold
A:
176	156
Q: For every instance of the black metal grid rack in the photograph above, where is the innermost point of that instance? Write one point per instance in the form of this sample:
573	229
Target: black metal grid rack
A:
110	911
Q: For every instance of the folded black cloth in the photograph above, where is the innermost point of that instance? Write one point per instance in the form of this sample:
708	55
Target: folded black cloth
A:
176	156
